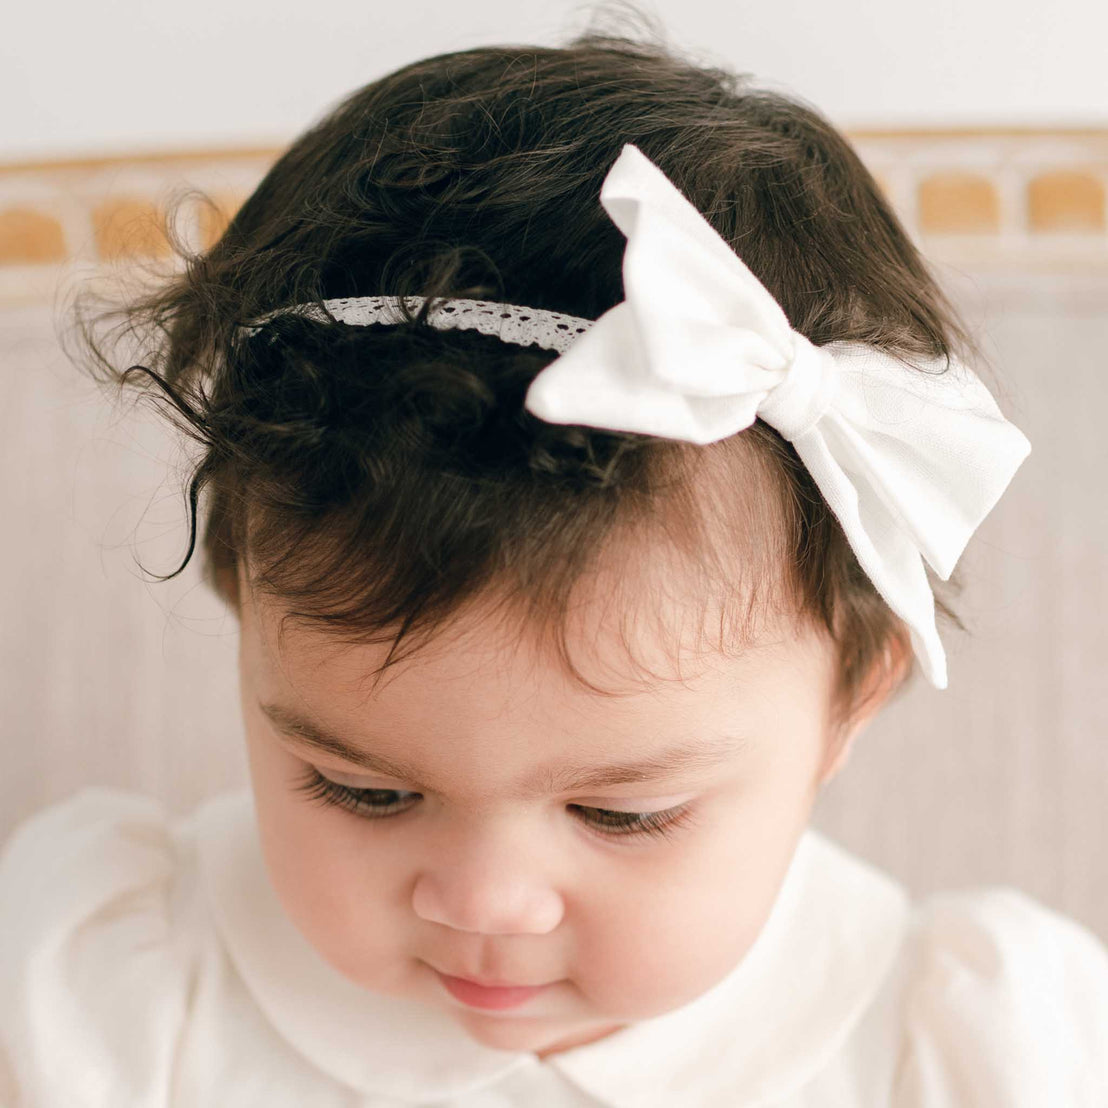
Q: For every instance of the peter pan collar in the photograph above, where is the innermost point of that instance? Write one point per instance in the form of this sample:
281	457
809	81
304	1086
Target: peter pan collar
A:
759	1034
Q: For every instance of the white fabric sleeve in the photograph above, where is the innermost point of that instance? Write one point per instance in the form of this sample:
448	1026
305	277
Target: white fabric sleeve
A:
94	968
1006	1006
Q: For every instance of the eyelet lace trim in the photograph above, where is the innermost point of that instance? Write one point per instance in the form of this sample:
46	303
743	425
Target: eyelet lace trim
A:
508	322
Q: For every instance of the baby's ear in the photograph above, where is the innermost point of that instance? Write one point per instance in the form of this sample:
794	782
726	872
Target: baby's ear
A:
887	675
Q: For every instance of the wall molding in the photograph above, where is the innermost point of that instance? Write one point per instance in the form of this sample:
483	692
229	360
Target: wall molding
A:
983	198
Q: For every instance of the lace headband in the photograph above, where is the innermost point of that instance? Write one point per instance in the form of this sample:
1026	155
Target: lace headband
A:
909	459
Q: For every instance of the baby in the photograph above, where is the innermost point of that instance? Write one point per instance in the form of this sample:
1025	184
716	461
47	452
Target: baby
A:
576	423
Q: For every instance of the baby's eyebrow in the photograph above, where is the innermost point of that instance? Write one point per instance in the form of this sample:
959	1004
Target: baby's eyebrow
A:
698	756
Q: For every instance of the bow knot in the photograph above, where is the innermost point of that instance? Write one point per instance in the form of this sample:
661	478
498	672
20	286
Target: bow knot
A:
801	398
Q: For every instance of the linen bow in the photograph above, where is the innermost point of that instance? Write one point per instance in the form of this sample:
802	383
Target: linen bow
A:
909	459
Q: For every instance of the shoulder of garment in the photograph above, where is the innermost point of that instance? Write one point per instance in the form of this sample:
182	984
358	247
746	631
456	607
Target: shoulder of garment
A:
96	952
1005	1005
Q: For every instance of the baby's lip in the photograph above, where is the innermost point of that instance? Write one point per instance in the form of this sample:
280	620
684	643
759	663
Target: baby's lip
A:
495	997
487	983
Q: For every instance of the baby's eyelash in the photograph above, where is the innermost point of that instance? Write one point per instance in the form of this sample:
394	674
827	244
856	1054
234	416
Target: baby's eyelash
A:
374	804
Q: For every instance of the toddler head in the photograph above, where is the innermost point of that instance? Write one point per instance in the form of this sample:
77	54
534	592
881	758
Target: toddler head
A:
526	703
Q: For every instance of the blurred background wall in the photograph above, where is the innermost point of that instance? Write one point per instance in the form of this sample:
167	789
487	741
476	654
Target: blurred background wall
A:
156	76
986	124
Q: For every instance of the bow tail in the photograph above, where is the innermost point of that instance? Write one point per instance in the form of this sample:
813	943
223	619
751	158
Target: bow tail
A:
935	449
885	551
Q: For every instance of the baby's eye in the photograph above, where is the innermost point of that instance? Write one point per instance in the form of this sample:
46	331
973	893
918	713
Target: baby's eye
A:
382	803
371	803
614	823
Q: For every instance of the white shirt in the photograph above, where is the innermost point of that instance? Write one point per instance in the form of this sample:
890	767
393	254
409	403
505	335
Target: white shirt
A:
147	963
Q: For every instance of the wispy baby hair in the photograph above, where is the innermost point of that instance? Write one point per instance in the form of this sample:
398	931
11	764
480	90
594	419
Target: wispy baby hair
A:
378	480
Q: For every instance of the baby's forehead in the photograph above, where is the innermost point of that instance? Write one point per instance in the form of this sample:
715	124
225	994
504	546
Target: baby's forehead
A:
478	714
703	579
612	650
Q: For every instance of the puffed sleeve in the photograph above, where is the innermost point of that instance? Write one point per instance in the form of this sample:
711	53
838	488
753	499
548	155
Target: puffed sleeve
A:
1006	1006
94	957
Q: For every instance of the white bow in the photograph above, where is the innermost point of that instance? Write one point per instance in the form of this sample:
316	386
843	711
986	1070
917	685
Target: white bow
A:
909	461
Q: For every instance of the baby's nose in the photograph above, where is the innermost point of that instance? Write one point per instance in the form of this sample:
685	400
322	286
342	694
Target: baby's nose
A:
488	884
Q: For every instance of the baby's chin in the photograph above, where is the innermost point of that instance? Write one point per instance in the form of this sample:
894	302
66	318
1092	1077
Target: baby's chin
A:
541	1035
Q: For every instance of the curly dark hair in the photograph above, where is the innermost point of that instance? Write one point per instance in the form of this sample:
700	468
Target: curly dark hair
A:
378	479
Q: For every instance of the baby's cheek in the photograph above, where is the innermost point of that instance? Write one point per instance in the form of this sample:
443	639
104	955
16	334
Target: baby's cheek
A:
336	901
666	948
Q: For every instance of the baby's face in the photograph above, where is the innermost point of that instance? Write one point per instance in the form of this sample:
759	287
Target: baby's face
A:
481	851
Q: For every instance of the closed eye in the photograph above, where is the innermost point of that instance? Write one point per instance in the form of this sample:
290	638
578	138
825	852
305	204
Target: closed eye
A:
385	803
